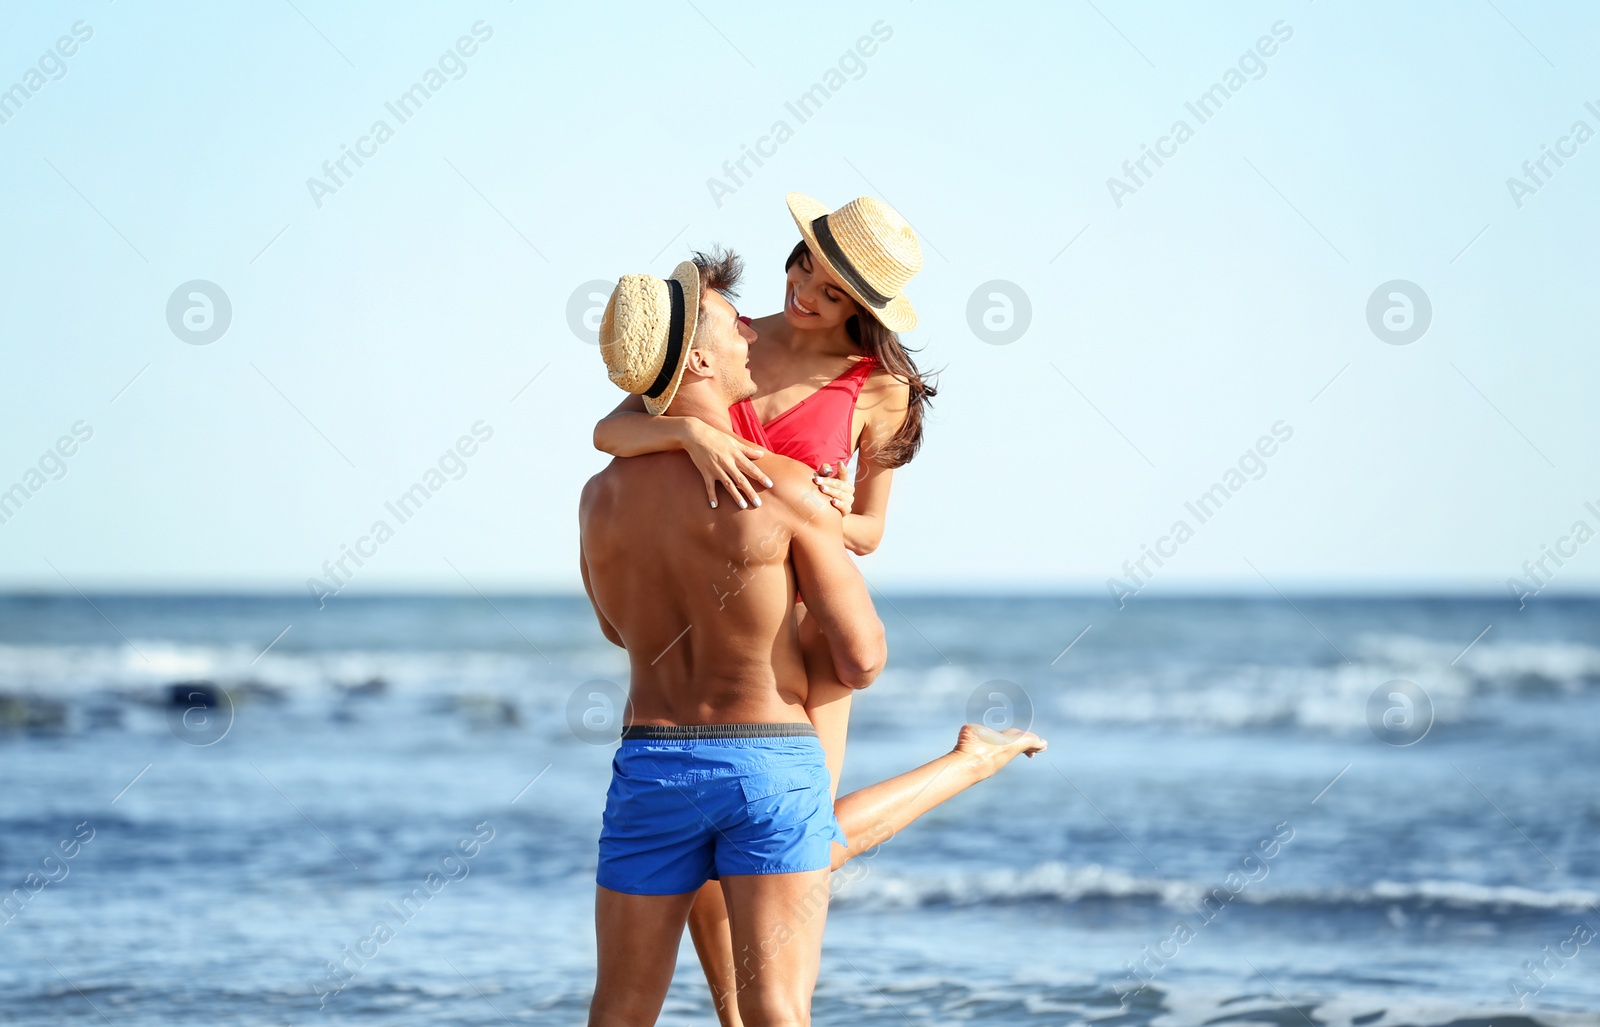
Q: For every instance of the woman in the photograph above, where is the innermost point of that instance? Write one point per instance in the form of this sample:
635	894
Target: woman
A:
833	382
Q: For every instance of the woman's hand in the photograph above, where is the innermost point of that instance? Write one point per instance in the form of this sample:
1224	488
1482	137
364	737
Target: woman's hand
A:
725	459
838	488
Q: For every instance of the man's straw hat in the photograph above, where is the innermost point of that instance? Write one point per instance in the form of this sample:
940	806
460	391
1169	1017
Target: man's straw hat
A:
646	331
869	248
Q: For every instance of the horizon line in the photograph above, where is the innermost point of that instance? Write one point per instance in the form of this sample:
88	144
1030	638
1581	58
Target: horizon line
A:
951	591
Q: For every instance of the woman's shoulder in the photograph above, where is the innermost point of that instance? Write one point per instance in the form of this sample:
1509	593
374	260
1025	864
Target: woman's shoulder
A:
885	397
882	382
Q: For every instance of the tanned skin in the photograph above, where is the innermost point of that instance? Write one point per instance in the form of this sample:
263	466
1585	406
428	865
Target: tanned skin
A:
801	349
703	600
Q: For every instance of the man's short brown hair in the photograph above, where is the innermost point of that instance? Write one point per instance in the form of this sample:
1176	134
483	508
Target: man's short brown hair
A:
720	269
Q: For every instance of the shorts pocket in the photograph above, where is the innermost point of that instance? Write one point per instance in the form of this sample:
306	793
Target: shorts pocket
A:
786	824
774	782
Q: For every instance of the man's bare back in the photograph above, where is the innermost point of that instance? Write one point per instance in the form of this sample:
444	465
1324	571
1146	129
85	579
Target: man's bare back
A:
703	598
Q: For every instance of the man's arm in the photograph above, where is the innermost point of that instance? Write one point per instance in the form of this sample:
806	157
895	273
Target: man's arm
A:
835	592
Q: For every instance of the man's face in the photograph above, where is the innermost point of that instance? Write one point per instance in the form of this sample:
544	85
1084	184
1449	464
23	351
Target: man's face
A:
723	343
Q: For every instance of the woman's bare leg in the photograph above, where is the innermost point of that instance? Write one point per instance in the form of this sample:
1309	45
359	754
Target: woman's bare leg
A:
869	816
827	698
872	815
713	943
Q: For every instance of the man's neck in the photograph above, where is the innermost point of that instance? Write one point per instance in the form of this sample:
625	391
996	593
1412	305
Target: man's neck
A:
700	399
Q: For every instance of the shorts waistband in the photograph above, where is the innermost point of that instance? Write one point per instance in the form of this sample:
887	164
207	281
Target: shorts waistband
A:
697	732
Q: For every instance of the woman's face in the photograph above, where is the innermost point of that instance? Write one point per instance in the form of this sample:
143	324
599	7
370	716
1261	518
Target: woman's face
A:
813	298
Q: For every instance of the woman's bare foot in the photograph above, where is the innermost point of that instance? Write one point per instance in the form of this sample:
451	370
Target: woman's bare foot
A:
987	750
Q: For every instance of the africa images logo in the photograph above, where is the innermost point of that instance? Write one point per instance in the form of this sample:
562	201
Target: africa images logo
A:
804	107
199	312
1137	172
51	67
1399	312
337	171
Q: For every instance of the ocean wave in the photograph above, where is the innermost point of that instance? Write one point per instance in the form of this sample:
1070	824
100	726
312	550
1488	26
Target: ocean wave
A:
1249	697
1211	694
1061	883
1222	694
869	993
1028	999
152	664
1513	667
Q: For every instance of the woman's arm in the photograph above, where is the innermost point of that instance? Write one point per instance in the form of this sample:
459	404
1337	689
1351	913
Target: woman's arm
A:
630	431
884	402
863	526
721	458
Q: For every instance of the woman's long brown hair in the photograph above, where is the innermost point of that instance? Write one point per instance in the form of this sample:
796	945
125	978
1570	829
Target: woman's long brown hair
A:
879	342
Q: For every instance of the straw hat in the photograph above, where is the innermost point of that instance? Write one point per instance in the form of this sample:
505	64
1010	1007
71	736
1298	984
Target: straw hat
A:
646	330
870	248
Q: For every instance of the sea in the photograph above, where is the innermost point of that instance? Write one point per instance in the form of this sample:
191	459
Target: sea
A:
1336	810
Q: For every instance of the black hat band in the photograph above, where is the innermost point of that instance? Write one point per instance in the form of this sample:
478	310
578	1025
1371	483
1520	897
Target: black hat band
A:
674	341
842	265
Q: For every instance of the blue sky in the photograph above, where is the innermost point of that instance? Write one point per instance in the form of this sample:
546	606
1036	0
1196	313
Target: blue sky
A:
1176	318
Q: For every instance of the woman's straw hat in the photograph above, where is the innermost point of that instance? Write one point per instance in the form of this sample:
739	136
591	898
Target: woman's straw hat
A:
646	331
870	248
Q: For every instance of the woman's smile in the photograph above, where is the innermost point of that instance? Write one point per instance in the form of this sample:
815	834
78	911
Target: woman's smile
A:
798	308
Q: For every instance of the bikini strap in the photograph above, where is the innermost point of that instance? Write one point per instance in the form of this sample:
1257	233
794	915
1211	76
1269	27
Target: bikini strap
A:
869	362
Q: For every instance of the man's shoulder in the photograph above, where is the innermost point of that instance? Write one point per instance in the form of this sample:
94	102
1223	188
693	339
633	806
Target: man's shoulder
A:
625	469
599	483
628	479
612	479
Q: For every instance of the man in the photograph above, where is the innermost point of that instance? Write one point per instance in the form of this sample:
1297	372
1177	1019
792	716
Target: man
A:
719	773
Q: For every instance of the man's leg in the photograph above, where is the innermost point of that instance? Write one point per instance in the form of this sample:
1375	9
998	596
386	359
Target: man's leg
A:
638	937
777	922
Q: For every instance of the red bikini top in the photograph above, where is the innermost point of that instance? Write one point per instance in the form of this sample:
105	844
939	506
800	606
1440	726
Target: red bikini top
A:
816	430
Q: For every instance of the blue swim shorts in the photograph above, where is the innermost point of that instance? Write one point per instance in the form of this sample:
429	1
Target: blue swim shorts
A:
691	803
